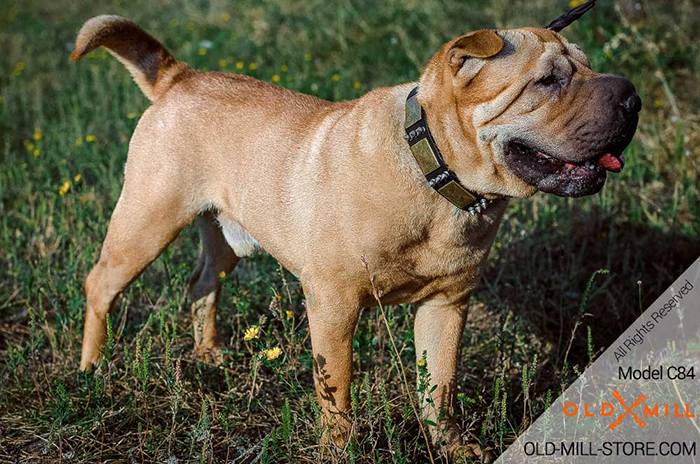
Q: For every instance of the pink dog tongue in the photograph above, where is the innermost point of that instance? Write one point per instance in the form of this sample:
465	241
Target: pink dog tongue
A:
610	162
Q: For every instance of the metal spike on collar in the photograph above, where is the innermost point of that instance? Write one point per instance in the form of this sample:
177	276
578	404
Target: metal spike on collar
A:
414	133
479	207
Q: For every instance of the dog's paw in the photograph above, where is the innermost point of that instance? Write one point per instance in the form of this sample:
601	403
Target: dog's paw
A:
90	360
210	354
449	438
335	431
470	452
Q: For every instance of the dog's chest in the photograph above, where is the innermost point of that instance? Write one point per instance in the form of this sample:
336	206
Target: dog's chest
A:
443	257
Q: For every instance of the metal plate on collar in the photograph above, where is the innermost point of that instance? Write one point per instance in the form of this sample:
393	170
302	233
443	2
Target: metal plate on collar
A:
425	157
456	194
413	112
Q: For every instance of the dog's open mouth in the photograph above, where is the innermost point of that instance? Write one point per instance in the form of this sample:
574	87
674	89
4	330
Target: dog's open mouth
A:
559	177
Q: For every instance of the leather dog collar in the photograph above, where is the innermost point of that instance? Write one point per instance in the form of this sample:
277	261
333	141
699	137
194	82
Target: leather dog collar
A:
432	164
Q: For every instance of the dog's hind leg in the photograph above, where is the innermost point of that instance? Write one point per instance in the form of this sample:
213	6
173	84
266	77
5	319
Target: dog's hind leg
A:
149	215
216	258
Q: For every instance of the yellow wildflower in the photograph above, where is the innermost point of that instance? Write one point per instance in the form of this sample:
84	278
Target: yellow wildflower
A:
284	68
29	146
36	152
223	63
357	84
240	65
77	177
19	67
253	66
222	274
275	78
420	363
251	333
225	17
273	353
90	138
37	134
79	142
336	77
307	56
202	51
190	26
131	115
290	314
65	187
174	23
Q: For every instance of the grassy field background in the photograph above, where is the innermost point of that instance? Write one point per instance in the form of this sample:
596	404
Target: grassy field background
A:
64	131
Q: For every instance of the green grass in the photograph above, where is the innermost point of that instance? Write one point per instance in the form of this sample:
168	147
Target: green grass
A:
152	400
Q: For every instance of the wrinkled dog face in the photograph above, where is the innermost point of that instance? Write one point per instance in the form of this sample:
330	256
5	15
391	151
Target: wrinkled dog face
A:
543	119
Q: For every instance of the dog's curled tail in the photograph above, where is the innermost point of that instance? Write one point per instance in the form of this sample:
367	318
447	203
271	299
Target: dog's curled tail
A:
151	65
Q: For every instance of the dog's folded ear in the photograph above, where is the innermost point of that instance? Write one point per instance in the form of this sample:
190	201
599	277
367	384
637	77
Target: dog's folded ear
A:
478	44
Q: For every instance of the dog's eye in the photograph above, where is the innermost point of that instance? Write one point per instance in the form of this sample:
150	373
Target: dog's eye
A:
549	81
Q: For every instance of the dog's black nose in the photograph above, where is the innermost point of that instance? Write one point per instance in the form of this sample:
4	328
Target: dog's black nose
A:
621	96
632	104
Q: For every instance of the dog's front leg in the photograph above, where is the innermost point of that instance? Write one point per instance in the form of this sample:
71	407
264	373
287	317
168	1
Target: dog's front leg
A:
438	332
332	320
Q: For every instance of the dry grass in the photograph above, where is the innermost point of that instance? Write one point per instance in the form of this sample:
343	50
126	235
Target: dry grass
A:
152	401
